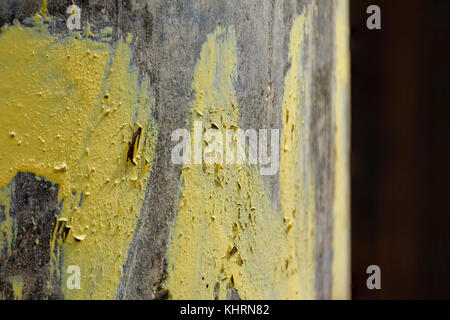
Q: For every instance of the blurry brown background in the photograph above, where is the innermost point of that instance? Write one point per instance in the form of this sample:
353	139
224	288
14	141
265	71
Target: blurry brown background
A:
400	150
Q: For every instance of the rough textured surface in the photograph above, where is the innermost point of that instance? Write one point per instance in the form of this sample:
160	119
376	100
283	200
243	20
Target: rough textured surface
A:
169	36
33	208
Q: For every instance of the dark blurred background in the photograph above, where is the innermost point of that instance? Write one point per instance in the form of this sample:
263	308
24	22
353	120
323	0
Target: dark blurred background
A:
400	151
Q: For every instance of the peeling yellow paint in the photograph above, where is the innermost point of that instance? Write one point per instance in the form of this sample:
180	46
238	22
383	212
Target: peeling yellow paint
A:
61	98
69	109
296	168
341	207
227	232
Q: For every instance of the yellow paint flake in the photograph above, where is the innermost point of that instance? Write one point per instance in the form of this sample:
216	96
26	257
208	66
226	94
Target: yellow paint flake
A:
80	237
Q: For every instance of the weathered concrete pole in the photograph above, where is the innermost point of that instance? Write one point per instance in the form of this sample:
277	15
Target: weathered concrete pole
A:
98	195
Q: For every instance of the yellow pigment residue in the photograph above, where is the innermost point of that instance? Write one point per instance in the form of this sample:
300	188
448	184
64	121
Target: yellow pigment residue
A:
44	11
341	207
17	286
8	227
69	108
226	233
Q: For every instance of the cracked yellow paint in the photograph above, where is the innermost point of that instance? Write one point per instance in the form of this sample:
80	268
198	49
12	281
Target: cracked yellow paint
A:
227	233
341	206
73	105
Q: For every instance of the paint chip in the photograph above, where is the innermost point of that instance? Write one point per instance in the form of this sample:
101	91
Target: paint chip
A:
80	237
